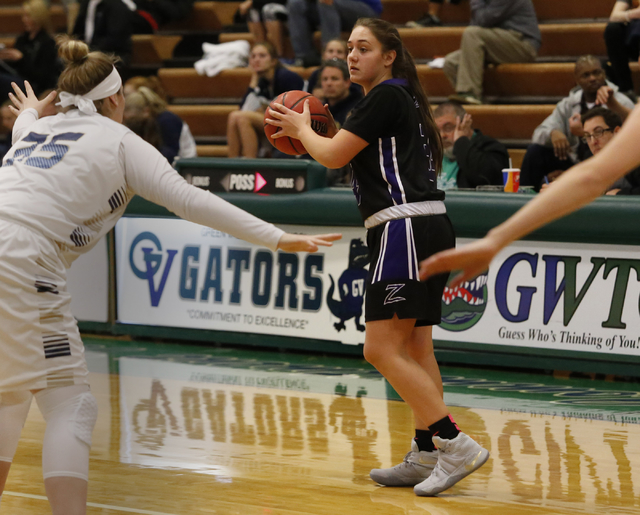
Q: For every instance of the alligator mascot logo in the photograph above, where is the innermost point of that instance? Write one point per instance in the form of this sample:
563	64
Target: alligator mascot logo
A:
463	306
351	286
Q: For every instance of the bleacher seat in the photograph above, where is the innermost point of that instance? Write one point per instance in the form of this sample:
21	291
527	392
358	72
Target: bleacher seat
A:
206	16
152	49
557	40
522	94
402	11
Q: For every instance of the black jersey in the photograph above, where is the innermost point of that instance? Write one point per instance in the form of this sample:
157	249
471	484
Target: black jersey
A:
397	166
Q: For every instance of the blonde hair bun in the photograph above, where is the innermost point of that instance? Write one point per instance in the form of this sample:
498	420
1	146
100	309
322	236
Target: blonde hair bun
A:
72	51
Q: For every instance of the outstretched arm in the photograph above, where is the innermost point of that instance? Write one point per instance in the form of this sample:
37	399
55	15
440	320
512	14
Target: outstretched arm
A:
575	188
149	174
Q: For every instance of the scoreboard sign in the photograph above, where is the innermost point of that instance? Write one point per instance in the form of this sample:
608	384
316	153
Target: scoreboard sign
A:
264	176
263	181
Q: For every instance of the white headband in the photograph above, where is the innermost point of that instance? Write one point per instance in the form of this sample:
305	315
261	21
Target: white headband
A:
109	86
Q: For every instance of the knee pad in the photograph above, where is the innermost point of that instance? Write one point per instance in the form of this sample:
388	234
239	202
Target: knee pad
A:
14	408
71	413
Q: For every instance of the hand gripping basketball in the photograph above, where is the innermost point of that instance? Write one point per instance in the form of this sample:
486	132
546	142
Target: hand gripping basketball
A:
295	101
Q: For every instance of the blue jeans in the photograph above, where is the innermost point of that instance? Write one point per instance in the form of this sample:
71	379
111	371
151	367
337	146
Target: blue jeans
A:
306	15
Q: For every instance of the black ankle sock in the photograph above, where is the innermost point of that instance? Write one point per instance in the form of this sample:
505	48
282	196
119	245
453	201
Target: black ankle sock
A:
445	428
424	441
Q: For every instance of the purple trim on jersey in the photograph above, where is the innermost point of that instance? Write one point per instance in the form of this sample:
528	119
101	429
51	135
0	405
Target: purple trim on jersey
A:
396	82
395	260
386	145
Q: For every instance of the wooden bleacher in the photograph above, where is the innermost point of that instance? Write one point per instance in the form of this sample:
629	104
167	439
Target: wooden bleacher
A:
520	95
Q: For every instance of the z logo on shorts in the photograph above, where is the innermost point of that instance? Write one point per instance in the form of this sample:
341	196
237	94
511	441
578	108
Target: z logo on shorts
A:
391	297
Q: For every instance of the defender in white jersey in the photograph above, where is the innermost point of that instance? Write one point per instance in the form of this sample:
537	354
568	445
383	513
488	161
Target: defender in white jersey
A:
63	185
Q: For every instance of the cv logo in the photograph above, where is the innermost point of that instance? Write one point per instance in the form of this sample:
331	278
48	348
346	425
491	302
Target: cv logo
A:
152	257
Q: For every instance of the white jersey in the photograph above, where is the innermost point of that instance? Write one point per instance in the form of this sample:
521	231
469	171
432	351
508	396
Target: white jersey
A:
71	176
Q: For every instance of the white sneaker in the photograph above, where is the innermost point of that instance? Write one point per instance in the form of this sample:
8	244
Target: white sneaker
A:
416	466
457	459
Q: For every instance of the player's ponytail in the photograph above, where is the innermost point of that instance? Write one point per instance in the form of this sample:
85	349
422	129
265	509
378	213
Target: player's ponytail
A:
404	67
84	70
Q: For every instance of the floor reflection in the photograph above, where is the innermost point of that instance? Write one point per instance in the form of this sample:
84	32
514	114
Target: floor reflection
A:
201	426
266	433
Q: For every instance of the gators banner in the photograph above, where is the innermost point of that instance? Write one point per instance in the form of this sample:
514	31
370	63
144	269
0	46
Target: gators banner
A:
174	273
536	294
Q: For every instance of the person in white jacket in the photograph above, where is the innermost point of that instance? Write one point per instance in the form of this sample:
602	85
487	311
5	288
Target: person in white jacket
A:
556	142
64	184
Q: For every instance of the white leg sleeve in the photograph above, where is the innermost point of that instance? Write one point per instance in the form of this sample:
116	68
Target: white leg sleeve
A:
71	413
14	408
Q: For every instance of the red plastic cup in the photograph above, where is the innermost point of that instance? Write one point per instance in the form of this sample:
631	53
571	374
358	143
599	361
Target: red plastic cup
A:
511	179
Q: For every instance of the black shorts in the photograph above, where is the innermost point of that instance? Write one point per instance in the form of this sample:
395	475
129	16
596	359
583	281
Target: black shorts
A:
396	249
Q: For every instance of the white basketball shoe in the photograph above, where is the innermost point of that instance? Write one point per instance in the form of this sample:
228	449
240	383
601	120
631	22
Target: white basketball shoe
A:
416	466
457	459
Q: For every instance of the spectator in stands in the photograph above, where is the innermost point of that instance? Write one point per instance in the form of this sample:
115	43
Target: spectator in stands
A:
332	16
337	91
105	25
177	140
556	143
152	82
600	126
34	56
504	31
622	37
149	15
432	17
245	127
334	49
266	20
341	98
147	128
470	158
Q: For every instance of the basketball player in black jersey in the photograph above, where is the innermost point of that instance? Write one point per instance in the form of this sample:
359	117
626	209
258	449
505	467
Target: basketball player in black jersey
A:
394	149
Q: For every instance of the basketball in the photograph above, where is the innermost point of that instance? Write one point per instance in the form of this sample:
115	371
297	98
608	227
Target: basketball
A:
295	100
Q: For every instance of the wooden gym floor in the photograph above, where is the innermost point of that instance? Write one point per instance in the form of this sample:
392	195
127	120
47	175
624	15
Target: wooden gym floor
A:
193	430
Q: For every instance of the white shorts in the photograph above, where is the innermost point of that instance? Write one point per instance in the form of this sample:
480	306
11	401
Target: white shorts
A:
40	345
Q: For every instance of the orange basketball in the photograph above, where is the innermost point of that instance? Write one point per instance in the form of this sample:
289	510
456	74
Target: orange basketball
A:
295	100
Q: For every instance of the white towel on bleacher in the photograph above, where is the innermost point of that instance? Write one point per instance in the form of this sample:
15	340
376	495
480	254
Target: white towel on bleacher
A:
220	57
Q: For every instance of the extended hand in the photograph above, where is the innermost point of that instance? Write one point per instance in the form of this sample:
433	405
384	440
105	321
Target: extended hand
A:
575	125
28	101
604	96
290	122
306	242
463	127
11	54
471	260
560	144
